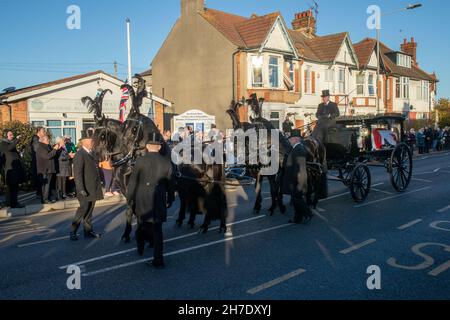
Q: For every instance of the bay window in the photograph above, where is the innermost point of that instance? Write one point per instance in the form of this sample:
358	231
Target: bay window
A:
370	85
329	79
274	72
360	79
308	86
425	90
341	81
257	71
404	84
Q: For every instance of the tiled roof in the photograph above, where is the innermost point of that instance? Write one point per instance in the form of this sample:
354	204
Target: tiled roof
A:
365	48
146	73
50	84
321	49
242	32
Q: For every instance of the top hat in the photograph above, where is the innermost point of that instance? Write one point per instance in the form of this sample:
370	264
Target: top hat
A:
325	93
153	139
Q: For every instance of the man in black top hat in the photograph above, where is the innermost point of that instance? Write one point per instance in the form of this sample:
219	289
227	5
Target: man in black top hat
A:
148	193
326	114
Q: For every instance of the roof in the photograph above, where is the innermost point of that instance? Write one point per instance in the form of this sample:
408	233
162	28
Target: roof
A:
365	48
146	73
52	83
241	31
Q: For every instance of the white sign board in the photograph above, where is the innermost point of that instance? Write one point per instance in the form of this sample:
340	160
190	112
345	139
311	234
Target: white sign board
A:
196	119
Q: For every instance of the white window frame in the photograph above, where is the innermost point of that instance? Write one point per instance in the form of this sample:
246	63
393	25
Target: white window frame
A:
252	71
404	88
269	65
371	85
425	88
341	82
360	84
308	80
330	80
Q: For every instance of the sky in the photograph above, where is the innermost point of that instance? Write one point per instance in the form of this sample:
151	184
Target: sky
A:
37	47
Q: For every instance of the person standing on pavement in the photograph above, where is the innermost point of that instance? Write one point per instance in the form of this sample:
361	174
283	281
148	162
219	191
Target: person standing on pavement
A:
14	173
89	189
64	170
149	192
46	168
39	133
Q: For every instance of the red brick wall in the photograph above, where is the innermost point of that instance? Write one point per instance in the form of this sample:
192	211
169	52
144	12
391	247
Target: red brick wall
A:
19	112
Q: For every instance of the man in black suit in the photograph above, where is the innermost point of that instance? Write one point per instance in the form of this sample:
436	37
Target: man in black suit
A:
326	114
39	134
89	189
45	167
13	168
148	193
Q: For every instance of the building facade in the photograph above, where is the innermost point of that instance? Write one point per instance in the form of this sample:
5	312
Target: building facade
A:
57	105
288	66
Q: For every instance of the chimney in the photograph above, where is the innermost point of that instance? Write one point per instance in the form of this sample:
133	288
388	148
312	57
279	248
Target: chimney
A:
411	49
305	22
192	7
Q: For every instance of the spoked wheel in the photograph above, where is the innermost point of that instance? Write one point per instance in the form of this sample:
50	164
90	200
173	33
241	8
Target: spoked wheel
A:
360	183
401	167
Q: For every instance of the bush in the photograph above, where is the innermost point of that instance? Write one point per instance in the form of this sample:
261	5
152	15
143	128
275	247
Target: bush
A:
26	131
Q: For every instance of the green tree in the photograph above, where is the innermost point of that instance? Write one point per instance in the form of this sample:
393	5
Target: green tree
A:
443	110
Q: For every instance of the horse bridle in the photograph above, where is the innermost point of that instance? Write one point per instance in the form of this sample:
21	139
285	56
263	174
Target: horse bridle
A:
135	147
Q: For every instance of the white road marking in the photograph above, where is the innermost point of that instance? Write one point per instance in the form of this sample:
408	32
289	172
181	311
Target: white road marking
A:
11	236
320	209
357	246
409	224
114	254
422	180
444	209
382	191
436	170
23	231
276	281
43	241
440	269
390	198
124	265
435	225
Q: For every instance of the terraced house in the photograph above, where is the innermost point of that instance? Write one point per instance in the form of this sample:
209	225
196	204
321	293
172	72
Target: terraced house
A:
211	57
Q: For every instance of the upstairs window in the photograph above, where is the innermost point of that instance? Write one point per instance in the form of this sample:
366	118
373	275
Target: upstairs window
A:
370	85
257	71
341	81
403	60
360	79
308	86
291	71
425	90
274	74
404	88
329	79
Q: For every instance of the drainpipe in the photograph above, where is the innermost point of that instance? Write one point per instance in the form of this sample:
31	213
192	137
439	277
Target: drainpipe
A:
234	73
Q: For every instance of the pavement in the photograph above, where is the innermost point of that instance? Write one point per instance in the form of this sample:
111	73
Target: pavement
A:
402	240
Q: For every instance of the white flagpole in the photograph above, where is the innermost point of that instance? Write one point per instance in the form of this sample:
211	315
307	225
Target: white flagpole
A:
129	51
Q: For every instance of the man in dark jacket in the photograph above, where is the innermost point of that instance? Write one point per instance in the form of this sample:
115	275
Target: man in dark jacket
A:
148	191
326	114
39	133
13	169
46	170
89	189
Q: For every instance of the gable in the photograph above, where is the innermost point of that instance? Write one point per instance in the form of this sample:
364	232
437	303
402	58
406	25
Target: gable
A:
278	39
346	54
373	60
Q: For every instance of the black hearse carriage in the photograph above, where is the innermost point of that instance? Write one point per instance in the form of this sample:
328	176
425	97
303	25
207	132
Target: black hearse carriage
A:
358	142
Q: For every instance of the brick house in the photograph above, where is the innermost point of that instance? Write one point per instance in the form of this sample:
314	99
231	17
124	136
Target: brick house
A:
288	66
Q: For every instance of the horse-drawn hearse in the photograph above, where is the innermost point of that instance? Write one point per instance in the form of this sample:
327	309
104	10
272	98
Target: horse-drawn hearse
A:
358	142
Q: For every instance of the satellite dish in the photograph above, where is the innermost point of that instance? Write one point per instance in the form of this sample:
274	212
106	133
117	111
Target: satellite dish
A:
8	90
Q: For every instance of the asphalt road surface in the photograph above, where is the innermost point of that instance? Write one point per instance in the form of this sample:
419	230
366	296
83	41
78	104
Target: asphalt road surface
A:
405	236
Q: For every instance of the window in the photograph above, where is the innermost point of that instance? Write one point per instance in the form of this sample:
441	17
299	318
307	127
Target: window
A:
274	76
257	71
59	128
419	92
388	89
341	81
370	85
360	79
308	85
291	71
404	83
329	79
275	119
397	88
425	90
404	60
36	124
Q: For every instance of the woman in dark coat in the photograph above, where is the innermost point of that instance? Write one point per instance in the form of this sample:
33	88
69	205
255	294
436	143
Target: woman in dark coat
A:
13	168
64	170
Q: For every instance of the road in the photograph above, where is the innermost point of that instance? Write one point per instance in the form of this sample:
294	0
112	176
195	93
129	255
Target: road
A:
406	235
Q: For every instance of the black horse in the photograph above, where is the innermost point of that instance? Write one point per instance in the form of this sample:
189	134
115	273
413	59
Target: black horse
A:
259	123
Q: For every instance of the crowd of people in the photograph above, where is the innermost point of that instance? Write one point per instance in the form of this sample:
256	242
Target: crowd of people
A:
52	176
427	139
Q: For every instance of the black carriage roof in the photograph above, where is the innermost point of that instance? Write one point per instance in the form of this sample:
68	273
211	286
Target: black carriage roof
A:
371	118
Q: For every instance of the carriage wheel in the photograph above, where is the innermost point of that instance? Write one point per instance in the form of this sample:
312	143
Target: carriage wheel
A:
400	167
360	183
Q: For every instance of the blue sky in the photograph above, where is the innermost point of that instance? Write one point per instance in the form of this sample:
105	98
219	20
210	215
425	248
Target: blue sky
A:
37	47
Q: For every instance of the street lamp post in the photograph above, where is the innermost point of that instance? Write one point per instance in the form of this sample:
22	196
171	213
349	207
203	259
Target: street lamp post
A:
129	50
378	27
